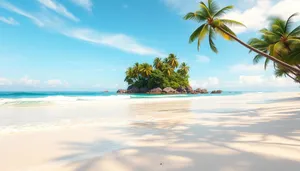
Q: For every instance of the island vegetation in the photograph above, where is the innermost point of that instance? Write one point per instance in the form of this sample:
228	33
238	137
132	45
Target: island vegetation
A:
167	72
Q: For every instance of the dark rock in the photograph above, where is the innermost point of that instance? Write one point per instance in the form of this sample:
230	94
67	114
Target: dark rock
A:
189	89
181	90
198	90
216	92
204	91
169	90
133	90
121	91
144	90
155	91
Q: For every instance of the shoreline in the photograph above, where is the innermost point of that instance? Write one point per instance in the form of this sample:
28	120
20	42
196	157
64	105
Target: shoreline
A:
242	132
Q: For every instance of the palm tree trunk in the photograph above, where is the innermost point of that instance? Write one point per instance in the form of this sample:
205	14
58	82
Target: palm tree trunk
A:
261	53
296	80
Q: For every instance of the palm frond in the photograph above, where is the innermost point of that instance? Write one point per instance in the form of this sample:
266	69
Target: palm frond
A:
205	9
196	33
224	35
257	58
267	61
232	22
211	40
196	16
222	11
295	32
202	35
288	23
212	7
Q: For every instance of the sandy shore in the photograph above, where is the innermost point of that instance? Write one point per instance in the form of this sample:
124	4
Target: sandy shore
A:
243	132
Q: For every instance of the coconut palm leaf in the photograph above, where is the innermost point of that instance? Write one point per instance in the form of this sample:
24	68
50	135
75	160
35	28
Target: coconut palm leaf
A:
211	40
222	11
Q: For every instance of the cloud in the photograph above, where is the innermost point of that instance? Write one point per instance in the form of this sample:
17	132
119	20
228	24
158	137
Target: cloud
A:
246	68
266	81
210	82
56	83
119	41
9	20
86	4
256	18
29	82
58	8
12	8
202	59
5	81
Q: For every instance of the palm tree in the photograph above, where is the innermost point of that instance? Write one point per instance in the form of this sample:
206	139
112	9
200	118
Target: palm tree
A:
172	60
281	42
129	76
167	69
136	69
210	14
146	69
158	63
184	69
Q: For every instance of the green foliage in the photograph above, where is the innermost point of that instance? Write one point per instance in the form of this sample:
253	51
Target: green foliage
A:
165	73
209	14
281	41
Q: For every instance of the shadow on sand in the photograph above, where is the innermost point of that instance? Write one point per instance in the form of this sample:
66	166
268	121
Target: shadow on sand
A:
265	138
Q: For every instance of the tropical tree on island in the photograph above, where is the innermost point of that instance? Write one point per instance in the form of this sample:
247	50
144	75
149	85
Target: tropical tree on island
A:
158	63
183	69
165	73
210	15
282	42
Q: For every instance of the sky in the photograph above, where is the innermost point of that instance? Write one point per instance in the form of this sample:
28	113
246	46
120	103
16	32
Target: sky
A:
87	45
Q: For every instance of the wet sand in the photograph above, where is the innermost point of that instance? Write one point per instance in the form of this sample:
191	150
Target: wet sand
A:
243	132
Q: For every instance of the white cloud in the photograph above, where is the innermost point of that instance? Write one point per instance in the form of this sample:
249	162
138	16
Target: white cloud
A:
29	82
9	20
266	81
256	18
86	4
202	59
56	83
246	68
14	9
119	41
210	82
59	8
5	81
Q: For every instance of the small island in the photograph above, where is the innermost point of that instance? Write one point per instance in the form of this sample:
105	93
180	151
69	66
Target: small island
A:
165	76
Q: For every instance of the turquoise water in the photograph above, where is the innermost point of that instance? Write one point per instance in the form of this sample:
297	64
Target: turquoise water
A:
17	95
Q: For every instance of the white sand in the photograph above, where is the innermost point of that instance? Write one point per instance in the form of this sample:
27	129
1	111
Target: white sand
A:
245	132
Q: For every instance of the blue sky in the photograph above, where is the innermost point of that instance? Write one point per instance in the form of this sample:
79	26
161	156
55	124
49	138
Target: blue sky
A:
88	44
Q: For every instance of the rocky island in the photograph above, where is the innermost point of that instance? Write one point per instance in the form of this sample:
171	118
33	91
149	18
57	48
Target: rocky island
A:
165	76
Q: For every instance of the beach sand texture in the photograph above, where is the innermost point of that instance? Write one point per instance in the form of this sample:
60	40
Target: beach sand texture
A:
259	131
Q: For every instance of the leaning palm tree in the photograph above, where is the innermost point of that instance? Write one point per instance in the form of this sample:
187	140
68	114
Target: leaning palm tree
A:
158	63
280	41
210	15
172	60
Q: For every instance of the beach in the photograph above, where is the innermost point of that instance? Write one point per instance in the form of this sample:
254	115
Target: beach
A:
250	131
